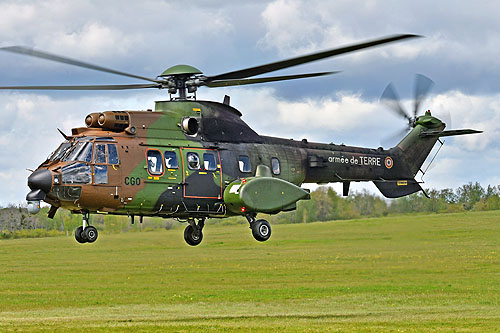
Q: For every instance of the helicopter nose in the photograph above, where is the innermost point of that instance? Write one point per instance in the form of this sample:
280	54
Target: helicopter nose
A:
40	179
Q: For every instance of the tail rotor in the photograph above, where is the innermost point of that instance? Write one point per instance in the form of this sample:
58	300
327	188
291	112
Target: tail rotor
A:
391	99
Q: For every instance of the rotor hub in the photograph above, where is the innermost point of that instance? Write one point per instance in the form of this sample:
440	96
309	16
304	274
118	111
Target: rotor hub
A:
185	70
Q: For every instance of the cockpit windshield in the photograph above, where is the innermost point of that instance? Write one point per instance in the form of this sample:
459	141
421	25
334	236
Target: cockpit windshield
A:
59	153
81	151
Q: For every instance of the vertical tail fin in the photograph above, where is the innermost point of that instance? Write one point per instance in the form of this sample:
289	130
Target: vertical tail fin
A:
413	151
415	148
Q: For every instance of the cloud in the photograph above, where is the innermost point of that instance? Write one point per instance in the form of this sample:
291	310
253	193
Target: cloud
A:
460	52
477	112
93	40
460	47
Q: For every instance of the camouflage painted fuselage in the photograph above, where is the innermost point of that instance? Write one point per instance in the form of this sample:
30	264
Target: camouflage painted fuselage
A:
162	170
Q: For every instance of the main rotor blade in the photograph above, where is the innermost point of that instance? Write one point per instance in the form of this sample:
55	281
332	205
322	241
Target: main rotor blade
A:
422	87
94	87
227	83
48	56
391	99
257	70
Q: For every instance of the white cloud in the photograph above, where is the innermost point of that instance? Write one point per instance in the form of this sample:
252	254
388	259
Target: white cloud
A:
465	34
93	40
345	111
460	51
109	30
15	17
476	112
292	30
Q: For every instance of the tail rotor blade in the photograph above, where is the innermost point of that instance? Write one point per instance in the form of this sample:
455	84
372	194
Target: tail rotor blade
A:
391	99
422	87
394	138
445	117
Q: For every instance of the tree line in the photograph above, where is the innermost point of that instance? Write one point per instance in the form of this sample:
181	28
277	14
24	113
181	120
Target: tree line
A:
325	205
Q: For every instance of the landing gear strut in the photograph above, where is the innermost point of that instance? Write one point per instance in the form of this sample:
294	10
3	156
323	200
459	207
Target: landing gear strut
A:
261	229
193	234
86	233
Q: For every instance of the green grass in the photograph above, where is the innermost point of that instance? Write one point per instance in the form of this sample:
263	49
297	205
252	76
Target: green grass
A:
411	273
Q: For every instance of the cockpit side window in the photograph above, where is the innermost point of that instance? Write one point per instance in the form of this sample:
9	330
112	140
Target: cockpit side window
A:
76	173
101	174
100	153
112	154
86	155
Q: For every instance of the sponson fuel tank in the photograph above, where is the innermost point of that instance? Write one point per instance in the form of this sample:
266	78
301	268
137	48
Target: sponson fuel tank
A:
262	193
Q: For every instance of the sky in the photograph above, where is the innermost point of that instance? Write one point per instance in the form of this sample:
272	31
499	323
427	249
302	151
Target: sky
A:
459	52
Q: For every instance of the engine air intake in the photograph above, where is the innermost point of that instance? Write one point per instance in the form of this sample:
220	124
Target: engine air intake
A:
114	120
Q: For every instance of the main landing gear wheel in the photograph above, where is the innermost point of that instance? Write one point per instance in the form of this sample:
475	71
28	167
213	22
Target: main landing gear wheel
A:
261	230
193	234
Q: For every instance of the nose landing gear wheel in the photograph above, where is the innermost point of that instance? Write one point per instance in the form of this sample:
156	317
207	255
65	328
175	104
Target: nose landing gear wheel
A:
90	234
86	233
261	230
79	235
193	236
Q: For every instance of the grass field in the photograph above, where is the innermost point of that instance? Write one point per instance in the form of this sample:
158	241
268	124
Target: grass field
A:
427	272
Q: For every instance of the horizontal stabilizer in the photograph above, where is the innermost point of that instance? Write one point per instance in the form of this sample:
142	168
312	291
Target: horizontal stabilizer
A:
425	134
398	188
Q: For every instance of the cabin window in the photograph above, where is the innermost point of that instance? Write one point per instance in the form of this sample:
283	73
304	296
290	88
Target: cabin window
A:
155	162
275	166
100	153
209	162
100	174
112	154
193	161
76	173
244	163
171	160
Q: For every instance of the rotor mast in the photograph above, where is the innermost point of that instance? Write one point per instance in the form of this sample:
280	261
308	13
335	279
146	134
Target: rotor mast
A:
180	78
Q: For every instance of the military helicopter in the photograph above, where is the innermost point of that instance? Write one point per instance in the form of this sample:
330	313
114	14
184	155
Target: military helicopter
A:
192	160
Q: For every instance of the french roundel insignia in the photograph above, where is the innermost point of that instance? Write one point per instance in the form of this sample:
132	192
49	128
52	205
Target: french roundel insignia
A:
388	162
